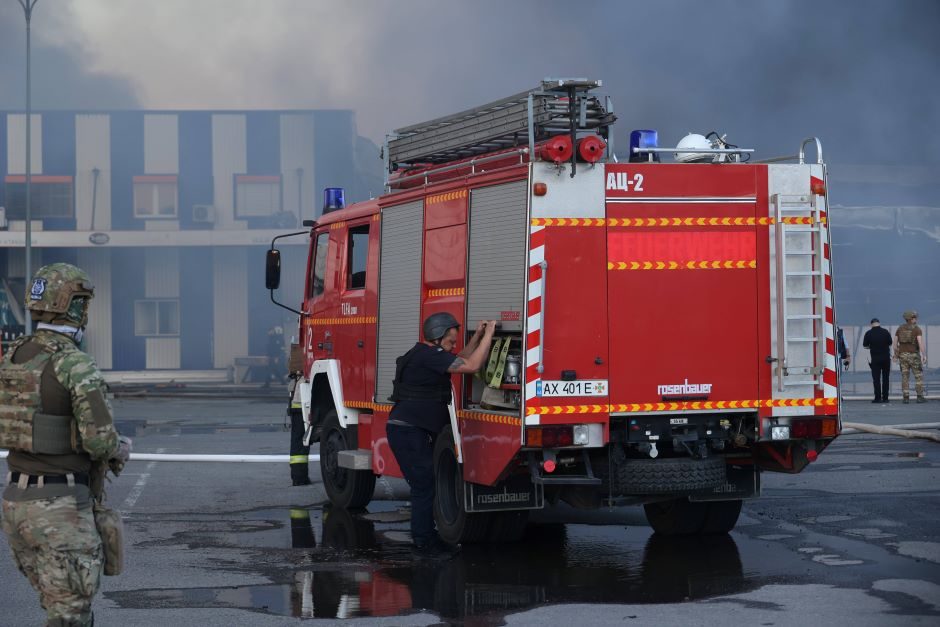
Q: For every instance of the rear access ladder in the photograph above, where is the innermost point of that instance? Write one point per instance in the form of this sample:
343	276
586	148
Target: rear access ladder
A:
800	286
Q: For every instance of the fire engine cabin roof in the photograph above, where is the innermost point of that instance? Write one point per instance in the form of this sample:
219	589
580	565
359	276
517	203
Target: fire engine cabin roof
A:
356	210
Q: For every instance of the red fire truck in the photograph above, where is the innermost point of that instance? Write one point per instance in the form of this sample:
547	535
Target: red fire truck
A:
666	330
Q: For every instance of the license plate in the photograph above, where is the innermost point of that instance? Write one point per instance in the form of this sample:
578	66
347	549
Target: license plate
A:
580	387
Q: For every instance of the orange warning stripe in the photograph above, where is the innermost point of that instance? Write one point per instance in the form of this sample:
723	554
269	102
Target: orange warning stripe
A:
343	320
674	221
368	405
677	406
680	265
494	418
338	225
445	197
449	291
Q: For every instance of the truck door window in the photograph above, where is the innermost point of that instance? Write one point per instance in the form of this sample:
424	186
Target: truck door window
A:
357	251
319	265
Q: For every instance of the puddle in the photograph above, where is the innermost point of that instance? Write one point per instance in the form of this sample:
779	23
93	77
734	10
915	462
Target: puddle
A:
341	565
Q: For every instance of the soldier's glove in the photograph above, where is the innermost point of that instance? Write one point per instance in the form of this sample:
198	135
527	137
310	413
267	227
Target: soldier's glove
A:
116	463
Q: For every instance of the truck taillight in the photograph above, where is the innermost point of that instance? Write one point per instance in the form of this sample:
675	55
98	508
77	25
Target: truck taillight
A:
812	428
553	436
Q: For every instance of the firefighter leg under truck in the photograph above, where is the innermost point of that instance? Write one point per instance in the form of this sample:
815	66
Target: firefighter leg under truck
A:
666	322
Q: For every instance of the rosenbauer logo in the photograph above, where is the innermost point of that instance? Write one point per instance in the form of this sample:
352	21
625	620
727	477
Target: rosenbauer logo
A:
689	390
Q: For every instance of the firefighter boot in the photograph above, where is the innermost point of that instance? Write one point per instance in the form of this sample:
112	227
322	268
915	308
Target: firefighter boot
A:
906	399
921	398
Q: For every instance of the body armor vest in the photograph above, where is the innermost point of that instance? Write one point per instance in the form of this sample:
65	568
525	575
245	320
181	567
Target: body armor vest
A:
23	425
906	333
408	392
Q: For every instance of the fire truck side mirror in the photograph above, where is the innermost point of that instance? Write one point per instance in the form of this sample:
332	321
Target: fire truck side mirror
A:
272	269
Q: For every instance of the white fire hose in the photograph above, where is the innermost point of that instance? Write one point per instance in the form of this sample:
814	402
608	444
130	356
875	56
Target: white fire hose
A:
173	457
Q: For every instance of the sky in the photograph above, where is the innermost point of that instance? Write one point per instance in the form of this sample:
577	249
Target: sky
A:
862	74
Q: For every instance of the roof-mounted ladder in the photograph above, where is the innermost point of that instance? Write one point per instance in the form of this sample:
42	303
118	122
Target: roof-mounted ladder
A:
556	107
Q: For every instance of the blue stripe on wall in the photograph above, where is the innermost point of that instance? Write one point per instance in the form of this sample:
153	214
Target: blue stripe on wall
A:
263	142
3	158
127	161
127	286
196	308
58	158
195	180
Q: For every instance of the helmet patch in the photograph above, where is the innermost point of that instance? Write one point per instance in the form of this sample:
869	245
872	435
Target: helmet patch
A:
38	289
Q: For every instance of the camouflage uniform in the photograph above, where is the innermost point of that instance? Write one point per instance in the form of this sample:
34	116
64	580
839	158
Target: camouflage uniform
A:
910	362
908	355
51	527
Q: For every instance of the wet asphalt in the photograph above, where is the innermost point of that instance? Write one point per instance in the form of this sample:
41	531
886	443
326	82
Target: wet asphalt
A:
853	540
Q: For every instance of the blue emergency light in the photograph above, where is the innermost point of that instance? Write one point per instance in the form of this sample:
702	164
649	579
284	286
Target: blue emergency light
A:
333	198
643	139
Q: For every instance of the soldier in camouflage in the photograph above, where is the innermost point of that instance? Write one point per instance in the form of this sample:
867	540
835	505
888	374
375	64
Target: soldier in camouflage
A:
57	424
911	355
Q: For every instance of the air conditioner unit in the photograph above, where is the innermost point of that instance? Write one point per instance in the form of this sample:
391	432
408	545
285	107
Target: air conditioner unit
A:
203	213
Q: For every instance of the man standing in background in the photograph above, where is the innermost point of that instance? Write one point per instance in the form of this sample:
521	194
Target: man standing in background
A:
878	341
912	356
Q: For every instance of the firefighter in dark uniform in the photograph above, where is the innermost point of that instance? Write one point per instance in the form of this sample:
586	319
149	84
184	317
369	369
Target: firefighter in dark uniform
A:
422	391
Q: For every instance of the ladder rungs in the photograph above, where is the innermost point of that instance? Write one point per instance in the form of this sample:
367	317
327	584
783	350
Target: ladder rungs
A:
804	317
789	253
802	339
802	273
807	382
802	297
799	229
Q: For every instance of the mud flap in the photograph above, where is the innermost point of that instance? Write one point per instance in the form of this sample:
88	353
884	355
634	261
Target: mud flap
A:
515	493
743	482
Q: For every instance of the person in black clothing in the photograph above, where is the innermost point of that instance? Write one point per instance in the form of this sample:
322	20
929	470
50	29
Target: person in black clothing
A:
421	392
878	341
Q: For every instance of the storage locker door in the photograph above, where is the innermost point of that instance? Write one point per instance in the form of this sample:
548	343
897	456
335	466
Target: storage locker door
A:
497	260
399	290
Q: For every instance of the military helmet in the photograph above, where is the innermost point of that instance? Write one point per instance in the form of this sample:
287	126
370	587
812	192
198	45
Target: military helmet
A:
910	313
60	292
436	325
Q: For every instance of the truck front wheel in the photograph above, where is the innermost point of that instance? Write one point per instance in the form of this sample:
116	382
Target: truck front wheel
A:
454	524
680	517
347	488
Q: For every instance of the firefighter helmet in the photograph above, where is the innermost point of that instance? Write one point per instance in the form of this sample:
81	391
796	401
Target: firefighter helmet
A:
436	325
697	142
60	292
910	313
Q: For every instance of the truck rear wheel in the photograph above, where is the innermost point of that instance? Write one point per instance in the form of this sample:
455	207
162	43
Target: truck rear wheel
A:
454	524
347	488
668	475
681	517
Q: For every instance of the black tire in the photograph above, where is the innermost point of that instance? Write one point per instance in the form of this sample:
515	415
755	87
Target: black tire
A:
682	517
346	488
678	517
346	532
454	524
508	526
669	475
722	516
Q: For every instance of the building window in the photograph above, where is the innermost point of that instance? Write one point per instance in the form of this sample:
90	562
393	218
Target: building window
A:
157	318
50	197
156	197
357	253
257	196
318	276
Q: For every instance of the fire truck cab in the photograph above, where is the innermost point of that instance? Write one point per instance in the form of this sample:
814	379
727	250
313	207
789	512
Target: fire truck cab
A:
666	329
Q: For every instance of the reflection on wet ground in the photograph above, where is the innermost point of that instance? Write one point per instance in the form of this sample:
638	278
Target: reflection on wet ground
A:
330	563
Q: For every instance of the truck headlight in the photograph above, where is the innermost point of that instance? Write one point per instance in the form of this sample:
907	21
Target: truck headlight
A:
780	433
581	435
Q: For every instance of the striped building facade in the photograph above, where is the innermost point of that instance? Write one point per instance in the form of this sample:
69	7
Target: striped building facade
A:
170	212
